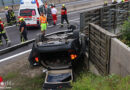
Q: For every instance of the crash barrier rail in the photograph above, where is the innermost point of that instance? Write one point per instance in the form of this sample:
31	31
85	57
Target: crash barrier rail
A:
108	17
17	2
12	48
9	2
59	1
99	48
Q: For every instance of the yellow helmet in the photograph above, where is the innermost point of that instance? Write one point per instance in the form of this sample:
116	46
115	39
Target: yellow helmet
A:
63	5
6	7
21	19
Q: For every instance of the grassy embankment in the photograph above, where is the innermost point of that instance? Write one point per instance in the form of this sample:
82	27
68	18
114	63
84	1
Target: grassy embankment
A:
24	82
85	81
125	37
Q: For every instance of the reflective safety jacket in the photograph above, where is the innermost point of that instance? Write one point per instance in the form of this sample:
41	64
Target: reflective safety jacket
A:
43	19
2	27
123	0
63	11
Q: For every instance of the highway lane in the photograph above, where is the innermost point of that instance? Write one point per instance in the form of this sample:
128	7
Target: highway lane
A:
2	14
73	18
14	35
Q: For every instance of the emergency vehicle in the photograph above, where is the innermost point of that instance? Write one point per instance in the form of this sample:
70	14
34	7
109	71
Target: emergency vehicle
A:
30	10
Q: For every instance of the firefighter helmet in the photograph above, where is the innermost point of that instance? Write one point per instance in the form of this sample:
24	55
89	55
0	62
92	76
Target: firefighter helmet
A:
63	5
21	19
6	7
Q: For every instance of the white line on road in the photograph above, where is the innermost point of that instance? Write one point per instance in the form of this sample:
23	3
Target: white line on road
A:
10	57
79	11
16	55
10	26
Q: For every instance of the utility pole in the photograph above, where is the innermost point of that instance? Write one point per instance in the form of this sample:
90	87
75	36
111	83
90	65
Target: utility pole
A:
12	4
3	3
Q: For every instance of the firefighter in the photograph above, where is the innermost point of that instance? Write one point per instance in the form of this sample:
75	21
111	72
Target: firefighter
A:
122	1
46	7
105	3
114	2
2	33
64	15
11	16
23	30
43	23
7	14
54	14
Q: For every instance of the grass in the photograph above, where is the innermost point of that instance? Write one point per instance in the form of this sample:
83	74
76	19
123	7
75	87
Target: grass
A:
89	81
23	82
125	37
84	81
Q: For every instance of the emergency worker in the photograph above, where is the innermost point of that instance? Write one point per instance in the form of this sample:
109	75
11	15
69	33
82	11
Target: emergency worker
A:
64	15
122	1
114	2
7	14
54	14
46	6
2	33
11	16
105	3
43	23
23	30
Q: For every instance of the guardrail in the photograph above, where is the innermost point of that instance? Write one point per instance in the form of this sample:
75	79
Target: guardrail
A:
12	48
9	2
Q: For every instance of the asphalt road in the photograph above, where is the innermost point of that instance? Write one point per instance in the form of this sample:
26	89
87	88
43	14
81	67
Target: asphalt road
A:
2	14
14	35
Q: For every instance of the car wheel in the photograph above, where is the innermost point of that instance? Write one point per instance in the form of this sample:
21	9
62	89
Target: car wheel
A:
76	33
83	43
38	38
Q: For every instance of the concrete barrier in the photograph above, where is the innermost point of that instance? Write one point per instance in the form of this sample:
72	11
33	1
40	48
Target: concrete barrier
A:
120	58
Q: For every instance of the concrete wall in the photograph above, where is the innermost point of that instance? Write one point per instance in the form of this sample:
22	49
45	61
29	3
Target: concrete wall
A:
120	58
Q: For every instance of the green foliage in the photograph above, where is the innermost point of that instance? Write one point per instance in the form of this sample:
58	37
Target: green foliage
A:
23	82
10	75
126	32
89	81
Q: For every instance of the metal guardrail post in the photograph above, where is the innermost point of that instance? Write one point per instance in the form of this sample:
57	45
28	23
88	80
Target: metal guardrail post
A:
3	3
82	21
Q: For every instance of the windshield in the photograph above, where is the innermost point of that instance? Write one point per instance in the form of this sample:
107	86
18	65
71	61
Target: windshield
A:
27	12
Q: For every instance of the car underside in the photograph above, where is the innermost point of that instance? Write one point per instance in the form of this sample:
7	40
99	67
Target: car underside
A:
58	52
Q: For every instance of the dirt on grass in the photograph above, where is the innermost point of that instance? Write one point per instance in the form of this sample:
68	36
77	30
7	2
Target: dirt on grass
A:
21	75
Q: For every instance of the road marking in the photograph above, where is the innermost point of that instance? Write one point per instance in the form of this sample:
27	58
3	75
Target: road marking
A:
16	55
9	26
79	11
65	22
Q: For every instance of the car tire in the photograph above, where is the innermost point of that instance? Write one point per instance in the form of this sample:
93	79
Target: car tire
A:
76	33
83	43
38	38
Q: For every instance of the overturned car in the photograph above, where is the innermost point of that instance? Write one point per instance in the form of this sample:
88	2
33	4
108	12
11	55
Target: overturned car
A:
58	53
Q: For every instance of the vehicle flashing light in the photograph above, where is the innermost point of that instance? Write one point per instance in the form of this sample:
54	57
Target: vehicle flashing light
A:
33	1
21	2
73	56
36	59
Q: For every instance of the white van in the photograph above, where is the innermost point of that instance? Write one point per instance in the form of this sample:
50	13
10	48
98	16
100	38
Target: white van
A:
30	11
